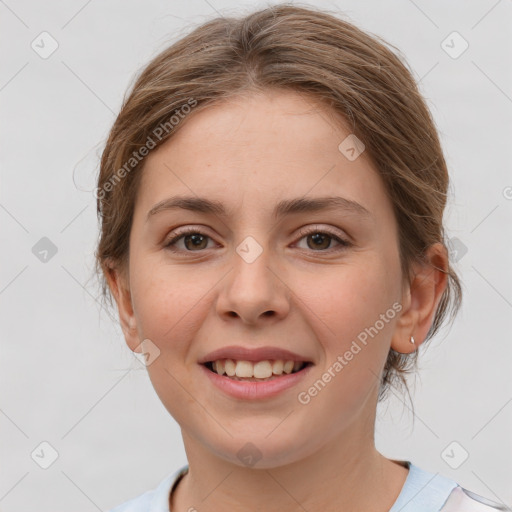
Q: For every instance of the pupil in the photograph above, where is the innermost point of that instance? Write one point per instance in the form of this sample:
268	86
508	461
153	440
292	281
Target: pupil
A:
318	238
196	239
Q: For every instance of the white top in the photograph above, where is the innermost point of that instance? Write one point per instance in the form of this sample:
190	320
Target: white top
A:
422	492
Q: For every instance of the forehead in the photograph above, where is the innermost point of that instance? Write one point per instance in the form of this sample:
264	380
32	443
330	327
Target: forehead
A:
249	122
259	149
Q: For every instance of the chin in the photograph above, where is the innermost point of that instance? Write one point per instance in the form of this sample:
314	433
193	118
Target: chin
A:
263	451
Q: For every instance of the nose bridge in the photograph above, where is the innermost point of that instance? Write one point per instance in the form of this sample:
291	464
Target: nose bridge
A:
253	288
251	267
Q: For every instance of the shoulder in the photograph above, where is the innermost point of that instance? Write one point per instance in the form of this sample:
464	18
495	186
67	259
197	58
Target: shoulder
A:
155	500
462	500
424	491
139	504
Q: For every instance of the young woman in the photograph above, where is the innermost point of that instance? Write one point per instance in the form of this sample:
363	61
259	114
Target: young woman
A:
271	201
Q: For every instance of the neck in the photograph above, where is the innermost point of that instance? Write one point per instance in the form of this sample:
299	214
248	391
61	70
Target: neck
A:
347	474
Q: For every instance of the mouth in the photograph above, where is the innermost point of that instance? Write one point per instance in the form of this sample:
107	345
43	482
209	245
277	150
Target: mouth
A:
255	371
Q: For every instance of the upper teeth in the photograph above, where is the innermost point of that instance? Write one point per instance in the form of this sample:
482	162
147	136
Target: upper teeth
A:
260	369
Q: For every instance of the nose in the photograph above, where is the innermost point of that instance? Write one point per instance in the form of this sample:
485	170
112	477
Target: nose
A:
254	291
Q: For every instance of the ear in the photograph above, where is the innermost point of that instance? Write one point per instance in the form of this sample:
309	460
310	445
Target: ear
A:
118	283
421	298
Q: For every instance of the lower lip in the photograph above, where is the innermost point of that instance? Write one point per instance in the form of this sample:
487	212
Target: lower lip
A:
247	390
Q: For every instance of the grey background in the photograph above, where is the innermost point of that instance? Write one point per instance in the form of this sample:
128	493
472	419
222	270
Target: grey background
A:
67	377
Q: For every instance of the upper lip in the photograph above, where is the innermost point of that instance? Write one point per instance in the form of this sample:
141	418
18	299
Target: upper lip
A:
240	353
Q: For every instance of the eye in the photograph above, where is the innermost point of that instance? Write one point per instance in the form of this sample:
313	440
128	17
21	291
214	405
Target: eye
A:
321	240
193	240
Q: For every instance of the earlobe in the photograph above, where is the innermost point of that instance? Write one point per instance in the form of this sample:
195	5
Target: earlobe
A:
422	297
120	291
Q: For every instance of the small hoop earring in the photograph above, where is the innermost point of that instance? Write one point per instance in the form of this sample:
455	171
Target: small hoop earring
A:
412	340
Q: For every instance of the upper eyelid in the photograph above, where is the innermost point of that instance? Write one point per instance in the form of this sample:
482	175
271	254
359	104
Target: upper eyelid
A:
322	229
305	229
301	232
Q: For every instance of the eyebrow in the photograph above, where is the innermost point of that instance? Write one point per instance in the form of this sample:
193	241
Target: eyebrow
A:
285	207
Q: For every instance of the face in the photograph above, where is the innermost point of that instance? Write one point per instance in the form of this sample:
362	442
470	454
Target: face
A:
313	281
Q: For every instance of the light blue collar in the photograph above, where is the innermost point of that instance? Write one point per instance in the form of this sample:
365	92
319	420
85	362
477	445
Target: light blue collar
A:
423	491
160	501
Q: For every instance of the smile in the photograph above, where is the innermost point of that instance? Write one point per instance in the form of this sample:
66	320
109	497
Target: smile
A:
244	383
254	371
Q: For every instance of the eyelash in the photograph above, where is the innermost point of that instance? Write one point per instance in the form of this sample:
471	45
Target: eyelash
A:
302	233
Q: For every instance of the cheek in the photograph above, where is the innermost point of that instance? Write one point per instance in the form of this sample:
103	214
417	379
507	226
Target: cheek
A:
346	299
170	311
167	305
353	318
172	304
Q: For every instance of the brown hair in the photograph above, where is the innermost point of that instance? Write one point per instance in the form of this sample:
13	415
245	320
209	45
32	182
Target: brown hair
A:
315	53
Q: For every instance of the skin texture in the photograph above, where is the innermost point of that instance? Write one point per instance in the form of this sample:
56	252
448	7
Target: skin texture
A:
249	154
